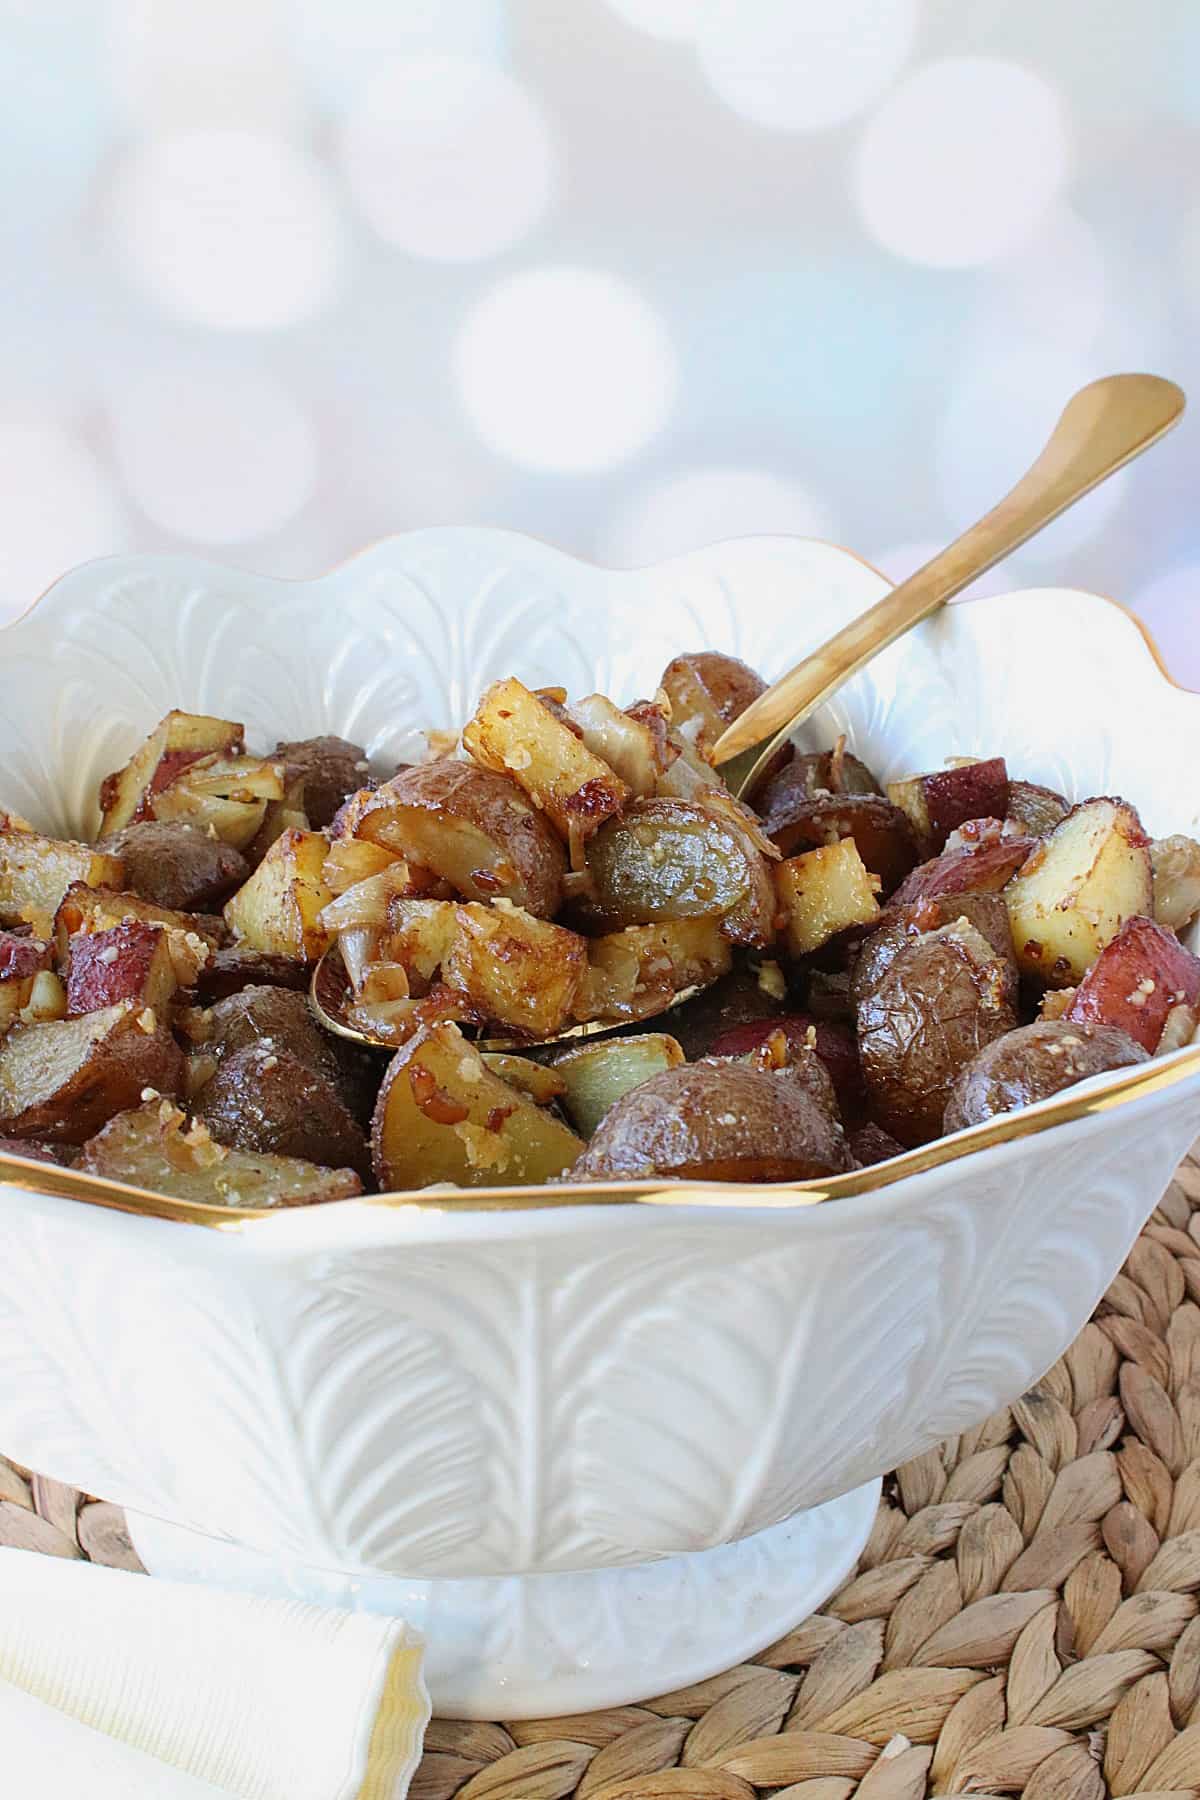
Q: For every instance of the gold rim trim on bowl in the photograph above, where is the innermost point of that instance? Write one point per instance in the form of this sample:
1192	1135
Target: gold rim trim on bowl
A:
1008	1128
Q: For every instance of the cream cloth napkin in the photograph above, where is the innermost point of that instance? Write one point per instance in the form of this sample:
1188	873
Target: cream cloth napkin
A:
191	1693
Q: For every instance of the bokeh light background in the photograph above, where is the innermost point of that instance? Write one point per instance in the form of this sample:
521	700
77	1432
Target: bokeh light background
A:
282	276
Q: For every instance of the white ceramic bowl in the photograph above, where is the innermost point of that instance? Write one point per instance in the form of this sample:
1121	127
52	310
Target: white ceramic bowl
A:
582	1444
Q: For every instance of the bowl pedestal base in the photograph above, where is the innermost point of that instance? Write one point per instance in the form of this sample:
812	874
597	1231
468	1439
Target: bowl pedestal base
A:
529	1646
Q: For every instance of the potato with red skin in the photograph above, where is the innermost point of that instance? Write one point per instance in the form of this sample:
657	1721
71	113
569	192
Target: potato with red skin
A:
31	1149
64	1079
1036	810
268	1101
938	803
1077	888
944	995
834	1044
986	912
236	967
175	865
1032	1063
177	741
985	870
471	827
1135	981
330	770
881	831
22	959
812	774
708	691
131	962
715	1123
871	1145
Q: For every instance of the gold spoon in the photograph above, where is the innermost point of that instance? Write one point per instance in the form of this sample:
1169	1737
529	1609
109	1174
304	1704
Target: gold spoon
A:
1104	426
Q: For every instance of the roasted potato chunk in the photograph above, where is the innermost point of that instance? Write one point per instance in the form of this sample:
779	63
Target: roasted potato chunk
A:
708	691
267	1100
1136	980
278	909
938	803
633	972
191	937
61	1081
262	1017
473	828
514	734
943	997
881	831
1176	865
35	873
822	893
1076	890
176	741
832	1042
154	1147
22	960
814	774
515	970
175	865
322	772
1032	1063
986	912
871	1145
129	962
982	869
715	1123
596	1076
442	1116
677	859
232	969
510	968
1034	809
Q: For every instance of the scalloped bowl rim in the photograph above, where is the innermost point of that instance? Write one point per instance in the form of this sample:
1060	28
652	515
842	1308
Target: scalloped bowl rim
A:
891	1183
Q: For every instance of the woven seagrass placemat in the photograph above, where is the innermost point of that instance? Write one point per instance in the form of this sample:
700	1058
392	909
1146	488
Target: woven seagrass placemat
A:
1024	1619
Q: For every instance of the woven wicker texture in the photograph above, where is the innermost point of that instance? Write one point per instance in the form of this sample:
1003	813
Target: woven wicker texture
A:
1024	1620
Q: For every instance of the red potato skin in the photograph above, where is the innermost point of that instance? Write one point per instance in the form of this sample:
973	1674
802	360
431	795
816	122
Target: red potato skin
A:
833	1043
235	968
970	791
984	871
21	956
870	1144
94	982
1136	980
28	1147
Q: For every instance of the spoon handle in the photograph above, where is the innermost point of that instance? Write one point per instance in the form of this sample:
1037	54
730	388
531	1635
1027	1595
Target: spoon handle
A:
1102	427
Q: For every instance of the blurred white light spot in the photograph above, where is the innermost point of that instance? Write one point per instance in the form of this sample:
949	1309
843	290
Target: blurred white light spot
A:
1170	606
172	63
1054	286
448	159
57	508
213	453
227	227
1002	407
706	505
339	44
961	163
899	561
565	369
802	65
678	19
